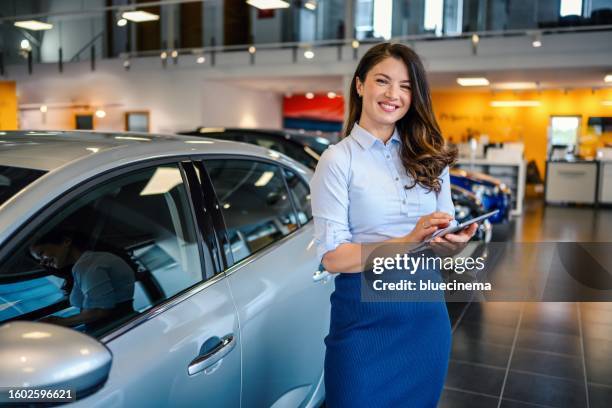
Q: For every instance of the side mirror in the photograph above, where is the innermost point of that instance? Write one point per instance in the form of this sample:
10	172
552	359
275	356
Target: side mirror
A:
42	355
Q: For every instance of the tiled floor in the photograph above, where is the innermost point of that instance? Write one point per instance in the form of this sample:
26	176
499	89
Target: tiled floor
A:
521	355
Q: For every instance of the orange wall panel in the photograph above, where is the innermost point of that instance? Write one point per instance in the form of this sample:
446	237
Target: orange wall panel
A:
8	105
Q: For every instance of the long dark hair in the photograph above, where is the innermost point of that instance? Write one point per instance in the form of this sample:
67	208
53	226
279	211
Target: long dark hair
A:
424	151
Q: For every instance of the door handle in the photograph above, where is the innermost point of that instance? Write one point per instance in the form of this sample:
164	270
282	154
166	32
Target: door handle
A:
319	275
204	361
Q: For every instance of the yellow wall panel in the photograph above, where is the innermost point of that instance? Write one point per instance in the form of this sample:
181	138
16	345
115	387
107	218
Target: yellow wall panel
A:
462	114
8	105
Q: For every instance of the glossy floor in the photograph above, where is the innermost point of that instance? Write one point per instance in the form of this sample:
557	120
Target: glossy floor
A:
520	354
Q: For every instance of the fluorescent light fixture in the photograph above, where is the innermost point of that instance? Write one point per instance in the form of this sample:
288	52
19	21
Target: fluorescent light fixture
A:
33	25
434	13
309	54
268	4
331	95
309	95
515	85
311	5
473	81
608	78
201	59
43	108
264	179
122	22
571	8
383	13
514	104
139	16
35	335
163	180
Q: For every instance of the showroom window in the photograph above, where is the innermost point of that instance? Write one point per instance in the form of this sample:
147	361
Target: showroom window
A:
300	192
110	254
256	206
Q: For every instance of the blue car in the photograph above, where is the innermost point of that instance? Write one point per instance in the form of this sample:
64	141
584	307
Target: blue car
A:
492	193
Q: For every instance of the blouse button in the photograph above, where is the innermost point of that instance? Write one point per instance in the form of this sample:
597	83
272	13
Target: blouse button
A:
388	157
397	179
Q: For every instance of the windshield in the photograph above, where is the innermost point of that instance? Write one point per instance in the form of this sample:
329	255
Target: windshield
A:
14	179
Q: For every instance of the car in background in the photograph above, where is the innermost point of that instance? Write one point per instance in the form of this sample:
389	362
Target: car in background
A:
307	148
229	304
491	192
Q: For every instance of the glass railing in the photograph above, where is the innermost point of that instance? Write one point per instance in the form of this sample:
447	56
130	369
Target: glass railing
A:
92	28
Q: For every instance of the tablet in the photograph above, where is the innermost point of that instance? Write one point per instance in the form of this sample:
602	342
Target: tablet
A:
459	227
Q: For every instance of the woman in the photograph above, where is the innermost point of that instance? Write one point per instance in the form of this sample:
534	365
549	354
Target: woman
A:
387	181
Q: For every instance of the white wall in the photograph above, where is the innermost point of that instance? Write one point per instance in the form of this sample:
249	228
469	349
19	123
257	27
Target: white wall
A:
176	99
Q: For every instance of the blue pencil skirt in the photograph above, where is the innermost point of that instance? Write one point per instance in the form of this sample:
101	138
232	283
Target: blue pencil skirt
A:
384	354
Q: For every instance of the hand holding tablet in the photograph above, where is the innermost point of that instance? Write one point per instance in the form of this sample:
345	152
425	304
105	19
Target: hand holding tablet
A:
460	227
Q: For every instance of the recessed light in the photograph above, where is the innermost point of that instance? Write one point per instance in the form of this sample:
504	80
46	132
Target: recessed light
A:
309	95
33	25
475	39
139	16
43	108
163	55
355	44
100	113
514	104
473	81
268	4
331	95
252	49
174	53
201	59
536	43
515	85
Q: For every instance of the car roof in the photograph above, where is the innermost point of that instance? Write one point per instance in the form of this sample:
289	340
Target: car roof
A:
73	157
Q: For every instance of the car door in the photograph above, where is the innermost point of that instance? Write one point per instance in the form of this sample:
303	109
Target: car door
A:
179	344
281	296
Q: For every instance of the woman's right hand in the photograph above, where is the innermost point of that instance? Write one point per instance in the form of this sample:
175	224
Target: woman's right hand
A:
428	224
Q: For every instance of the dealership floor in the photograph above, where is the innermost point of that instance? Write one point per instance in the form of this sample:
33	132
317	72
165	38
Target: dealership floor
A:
535	354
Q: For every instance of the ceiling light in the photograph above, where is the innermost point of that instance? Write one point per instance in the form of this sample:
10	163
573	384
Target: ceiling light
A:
474	81
608	78
25	45
174	53
355	44
268	4
475	39
33	25
537	40
309	95
309	54
142	139
201	59
311	5
331	95
252	49
163	55
515	85
122	22
139	16
126	64
43	108
264	179
100	113
514	104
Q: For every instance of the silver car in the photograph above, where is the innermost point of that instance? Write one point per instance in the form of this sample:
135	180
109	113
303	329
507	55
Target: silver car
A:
223	302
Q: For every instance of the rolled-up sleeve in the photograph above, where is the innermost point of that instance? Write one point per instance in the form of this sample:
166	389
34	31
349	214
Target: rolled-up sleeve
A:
445	199
330	201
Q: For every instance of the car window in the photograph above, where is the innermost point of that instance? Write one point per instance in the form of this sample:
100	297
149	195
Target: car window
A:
255	203
300	192
279	144
14	179
117	250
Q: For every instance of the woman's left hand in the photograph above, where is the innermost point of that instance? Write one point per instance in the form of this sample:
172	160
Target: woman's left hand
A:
450	244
